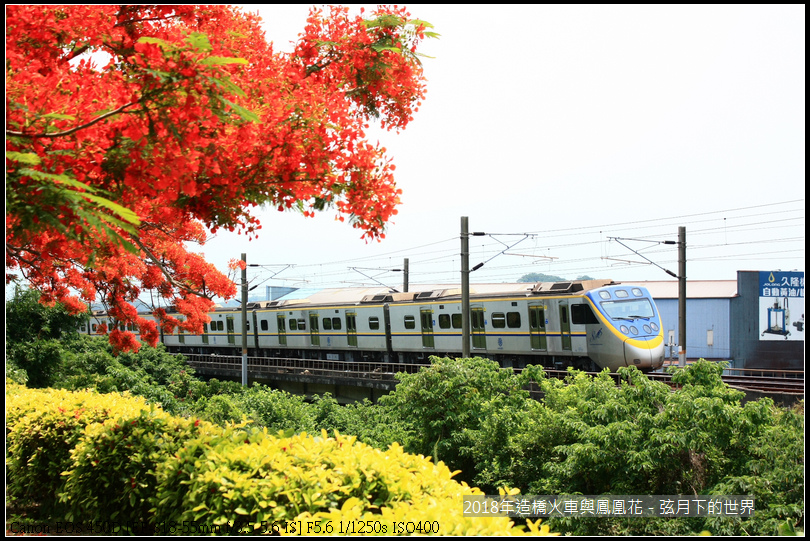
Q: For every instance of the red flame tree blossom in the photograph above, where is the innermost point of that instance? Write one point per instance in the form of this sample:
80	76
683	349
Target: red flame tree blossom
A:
194	120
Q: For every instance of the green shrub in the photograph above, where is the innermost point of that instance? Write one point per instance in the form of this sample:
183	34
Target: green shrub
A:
43	427
276	410
444	405
642	437
319	484
220	409
141	466
112	474
373	424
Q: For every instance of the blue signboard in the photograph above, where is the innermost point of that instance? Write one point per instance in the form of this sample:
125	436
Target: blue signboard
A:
781	284
781	305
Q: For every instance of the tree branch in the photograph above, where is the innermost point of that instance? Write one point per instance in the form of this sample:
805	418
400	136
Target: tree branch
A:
72	130
163	269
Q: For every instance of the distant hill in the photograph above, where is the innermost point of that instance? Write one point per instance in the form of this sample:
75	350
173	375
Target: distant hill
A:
540	277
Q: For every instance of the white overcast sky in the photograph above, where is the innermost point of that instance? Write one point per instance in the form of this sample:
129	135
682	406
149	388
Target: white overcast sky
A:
577	125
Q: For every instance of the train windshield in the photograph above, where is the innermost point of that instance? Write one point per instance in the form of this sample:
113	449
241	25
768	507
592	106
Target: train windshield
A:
630	309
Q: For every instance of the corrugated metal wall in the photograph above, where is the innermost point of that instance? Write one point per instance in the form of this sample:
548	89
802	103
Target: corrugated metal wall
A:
707	327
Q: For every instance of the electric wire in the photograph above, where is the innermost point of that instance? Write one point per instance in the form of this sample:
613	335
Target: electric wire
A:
431	256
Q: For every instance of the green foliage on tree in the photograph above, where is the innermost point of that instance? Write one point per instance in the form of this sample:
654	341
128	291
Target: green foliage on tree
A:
447	405
643	438
372	424
27	320
34	334
589	435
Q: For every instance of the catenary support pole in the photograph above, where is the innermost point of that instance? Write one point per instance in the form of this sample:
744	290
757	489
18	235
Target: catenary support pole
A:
405	272
682	295
465	287
244	322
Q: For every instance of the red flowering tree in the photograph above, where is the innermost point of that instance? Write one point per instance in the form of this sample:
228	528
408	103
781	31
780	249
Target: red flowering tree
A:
111	170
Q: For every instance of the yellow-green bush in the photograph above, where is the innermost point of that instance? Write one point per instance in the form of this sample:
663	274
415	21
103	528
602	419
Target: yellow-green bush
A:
316	484
112	474
115	458
43	426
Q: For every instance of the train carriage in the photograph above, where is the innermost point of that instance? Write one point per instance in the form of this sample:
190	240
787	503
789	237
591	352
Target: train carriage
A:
586	324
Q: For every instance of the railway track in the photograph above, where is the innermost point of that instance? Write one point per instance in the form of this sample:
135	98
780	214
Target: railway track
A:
790	382
771	385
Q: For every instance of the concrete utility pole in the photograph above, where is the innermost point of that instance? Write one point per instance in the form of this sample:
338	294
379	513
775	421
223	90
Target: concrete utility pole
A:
465	287
405	276
244	323
682	296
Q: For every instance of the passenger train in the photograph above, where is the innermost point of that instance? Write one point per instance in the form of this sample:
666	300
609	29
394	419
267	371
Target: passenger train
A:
586	324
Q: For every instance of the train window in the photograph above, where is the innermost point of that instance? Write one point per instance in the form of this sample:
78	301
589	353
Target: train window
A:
631	309
83	328
264	325
205	333
456	321
513	320
327	324
410	322
444	321
604	294
374	323
581	314
293	325
637	292
477	319
621	293
247	325
94	327
336	323
498	320
302	325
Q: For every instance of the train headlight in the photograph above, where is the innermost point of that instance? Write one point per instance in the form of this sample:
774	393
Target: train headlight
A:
633	331
647	329
624	329
654	326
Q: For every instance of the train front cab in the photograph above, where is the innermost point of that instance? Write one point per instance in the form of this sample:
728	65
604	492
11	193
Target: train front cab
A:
629	331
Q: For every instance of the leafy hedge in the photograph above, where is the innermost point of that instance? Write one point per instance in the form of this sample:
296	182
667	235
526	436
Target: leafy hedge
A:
588	435
114	458
42	429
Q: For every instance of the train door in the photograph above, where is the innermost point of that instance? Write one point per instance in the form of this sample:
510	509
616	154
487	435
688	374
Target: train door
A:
537	327
565	326
231	329
477	330
426	316
389	346
314	330
256	330
351	328
281	321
